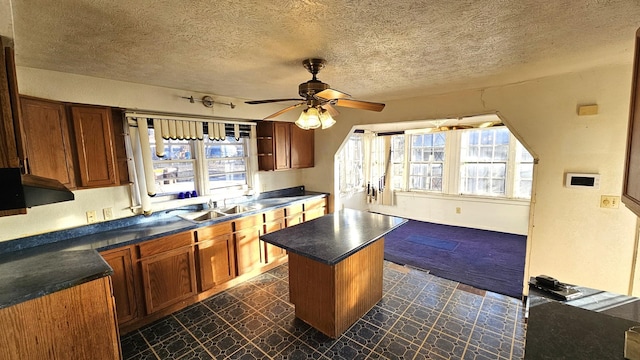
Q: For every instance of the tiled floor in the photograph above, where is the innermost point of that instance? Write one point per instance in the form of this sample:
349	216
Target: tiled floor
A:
420	317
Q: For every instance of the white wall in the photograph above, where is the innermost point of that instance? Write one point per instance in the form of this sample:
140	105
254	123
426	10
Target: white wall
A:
89	90
509	216
570	236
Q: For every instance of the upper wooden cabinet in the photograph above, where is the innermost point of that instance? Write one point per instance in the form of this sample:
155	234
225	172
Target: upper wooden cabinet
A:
631	185
94	141
47	140
283	145
12	153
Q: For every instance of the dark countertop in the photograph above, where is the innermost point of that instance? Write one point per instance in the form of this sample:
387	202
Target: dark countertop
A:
39	265
589	327
29	277
334	237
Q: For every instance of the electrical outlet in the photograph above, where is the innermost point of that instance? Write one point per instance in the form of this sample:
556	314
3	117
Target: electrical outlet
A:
609	201
91	217
108	213
458	210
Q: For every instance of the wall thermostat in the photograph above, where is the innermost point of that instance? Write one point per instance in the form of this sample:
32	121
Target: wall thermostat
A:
582	180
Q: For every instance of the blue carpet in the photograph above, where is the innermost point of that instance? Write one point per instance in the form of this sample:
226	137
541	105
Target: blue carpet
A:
484	259
442	244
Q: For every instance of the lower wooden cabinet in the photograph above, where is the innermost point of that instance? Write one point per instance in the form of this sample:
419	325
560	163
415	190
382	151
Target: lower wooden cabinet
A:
124	287
168	276
216	258
248	252
74	323
273	252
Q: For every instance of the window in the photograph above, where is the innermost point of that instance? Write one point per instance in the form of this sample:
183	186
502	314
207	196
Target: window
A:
524	172
226	162
426	165
174	172
483	161
397	162
350	161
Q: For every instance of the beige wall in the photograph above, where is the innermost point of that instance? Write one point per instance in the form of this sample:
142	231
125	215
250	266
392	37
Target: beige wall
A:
570	236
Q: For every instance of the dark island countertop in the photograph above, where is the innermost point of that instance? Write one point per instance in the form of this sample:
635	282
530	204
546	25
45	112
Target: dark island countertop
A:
29	277
590	327
42	264
333	237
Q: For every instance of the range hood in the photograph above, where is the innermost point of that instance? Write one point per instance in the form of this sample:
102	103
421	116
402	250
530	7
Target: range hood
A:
19	191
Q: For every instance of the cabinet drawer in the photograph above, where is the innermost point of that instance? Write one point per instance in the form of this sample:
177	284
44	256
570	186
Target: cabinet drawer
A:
165	244
293	209
314	204
211	232
247	222
314	213
274	215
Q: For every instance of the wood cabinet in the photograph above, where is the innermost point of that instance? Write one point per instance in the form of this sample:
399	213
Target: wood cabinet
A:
314	209
631	184
74	323
216	258
123	280
273	221
283	145
168	270
293	215
247	231
95	146
47	140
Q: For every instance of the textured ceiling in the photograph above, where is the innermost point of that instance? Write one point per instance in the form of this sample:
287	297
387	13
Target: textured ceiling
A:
375	50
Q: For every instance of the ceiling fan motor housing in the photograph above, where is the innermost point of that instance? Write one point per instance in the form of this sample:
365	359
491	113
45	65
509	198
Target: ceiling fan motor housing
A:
311	87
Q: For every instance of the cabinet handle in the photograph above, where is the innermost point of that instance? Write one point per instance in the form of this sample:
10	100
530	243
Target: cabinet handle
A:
241	237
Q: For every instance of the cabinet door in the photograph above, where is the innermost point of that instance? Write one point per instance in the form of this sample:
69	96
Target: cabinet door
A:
282	146
94	141
216	261
631	184
248	252
123	283
47	135
301	147
273	252
168	278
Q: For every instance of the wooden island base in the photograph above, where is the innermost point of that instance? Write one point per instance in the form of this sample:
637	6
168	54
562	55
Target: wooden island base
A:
333	297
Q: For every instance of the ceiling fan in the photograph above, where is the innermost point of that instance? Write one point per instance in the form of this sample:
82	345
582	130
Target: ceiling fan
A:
319	99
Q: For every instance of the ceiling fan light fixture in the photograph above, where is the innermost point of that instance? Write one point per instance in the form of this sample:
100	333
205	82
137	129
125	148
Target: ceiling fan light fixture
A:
326	119
309	119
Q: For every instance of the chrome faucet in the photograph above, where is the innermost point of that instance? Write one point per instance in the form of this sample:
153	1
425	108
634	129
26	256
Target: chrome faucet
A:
212	204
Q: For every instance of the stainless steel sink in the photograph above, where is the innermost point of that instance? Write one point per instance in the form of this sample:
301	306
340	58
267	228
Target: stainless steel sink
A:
202	216
236	209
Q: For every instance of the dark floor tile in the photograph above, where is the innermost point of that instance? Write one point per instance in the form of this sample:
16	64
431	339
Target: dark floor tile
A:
193	314
496	323
235	312
132	344
445	346
317	340
199	353
365	334
249	352
475	353
176	346
161	330
145	355
242	290
225	343
436	300
394	304
381	317
277	309
406	291
273	340
517	352
292	325
281	272
299	350
252	325
259	299
454	327
220	301
467	298
492	342
209	328
500	308
410	330
347	349
471	289
395	347
279	288
422	314
263	280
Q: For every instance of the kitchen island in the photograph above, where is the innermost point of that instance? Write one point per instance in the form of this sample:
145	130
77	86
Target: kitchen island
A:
335	266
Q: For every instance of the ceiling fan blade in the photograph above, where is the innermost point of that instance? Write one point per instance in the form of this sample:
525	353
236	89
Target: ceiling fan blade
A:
331	110
359	104
284	110
331	94
253	102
